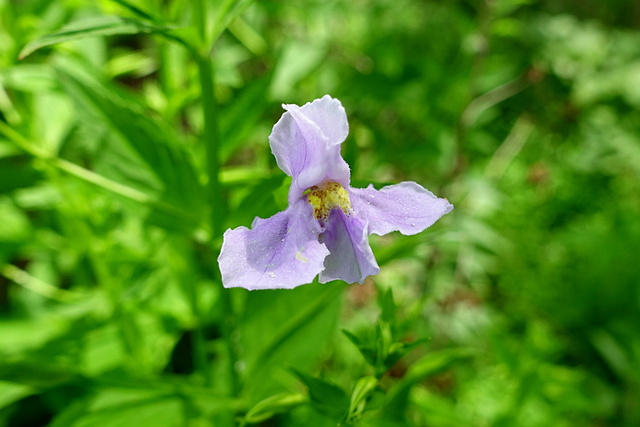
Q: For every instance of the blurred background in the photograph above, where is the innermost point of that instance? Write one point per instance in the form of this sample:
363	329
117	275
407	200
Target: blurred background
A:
524	300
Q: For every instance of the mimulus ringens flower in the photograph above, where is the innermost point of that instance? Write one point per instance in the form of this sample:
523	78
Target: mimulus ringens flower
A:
326	226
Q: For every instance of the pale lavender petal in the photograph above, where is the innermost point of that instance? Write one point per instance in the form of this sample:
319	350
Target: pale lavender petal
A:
350	258
328	114
406	207
279	252
306	144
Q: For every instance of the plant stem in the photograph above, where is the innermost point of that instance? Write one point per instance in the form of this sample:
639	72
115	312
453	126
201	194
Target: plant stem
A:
211	141
218	210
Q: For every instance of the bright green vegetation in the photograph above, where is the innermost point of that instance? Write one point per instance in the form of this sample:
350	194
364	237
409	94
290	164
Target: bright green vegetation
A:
134	132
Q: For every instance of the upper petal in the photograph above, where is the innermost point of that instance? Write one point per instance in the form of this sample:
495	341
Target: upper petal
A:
406	207
328	114
279	252
350	258
306	144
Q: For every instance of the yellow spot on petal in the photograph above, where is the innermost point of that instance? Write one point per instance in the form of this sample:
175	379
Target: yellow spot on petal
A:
301	257
329	196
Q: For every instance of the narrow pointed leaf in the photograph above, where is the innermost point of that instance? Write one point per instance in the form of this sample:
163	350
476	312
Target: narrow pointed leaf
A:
366	350
226	12
325	396
159	164
93	27
361	391
273	405
387	306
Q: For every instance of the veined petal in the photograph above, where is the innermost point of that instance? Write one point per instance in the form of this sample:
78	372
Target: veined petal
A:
279	252
350	256
406	207
306	144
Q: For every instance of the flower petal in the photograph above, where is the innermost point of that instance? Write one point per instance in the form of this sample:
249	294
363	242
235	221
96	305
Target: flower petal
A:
350	256
406	207
279	252
328	114
306	144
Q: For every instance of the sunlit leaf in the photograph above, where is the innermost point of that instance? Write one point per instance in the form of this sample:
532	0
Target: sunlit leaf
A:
361	391
92	27
153	146
273	405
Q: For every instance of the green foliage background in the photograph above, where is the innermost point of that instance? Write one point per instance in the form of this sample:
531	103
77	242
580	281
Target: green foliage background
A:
133	132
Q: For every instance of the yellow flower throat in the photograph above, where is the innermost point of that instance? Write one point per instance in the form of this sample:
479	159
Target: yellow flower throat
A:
326	197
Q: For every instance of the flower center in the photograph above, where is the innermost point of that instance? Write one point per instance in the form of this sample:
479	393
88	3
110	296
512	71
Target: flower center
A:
326	197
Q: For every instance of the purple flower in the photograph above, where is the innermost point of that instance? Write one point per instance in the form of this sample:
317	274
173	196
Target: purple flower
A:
326	226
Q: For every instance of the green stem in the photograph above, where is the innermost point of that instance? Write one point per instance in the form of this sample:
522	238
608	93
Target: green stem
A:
199	341
211	141
218	211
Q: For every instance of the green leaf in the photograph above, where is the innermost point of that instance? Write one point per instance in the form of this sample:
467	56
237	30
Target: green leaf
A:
383	341
398	350
325	396
17	172
353	338
34	78
367	351
387	306
240	118
158	161
296	61
260	198
285	328
267	408
380	351
436	362
361	391
114	407
14	224
35	375
135	9
116	399
10	393
93	27
225	13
